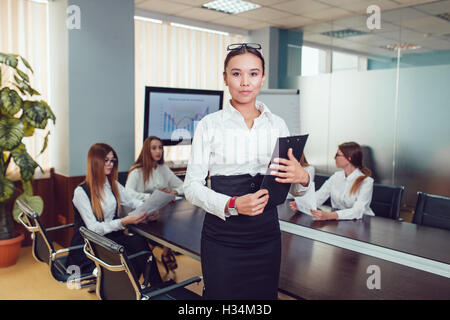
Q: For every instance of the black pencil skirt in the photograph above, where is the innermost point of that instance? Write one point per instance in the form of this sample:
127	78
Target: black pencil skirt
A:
241	255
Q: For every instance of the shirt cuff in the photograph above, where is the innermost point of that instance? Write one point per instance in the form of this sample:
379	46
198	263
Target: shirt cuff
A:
119	225
220	208
346	214
298	190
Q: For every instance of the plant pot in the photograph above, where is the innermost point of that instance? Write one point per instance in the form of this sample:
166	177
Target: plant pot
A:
9	250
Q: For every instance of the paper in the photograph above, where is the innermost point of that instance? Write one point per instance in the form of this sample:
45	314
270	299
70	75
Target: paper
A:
157	200
307	201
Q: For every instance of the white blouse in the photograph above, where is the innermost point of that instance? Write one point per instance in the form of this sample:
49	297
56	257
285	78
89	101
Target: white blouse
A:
223	145
109	223
162	177
307	197
348	206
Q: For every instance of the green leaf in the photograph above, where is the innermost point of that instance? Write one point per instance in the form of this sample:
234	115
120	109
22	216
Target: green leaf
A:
20	89
9	60
27	64
26	87
11	101
35	202
11	132
24	161
6	189
28	129
45	143
23	75
36	113
27	187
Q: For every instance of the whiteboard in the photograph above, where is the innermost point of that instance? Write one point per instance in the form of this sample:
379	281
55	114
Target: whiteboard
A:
285	103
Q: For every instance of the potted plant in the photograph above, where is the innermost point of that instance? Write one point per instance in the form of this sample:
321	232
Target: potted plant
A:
20	115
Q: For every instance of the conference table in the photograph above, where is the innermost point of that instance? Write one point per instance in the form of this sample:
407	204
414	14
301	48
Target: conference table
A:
371	258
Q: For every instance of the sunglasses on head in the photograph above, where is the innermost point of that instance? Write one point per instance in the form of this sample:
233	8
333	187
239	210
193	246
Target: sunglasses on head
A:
237	46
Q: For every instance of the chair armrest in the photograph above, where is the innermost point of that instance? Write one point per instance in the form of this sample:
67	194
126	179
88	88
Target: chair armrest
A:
174	286
138	254
65	250
59	227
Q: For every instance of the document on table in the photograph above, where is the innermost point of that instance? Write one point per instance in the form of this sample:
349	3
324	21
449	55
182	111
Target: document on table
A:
157	200
307	201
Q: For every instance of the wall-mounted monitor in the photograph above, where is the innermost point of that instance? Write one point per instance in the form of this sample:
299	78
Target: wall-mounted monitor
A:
173	113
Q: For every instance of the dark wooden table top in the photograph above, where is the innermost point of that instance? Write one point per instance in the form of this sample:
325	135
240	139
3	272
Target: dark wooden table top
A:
179	223
314	270
309	269
422	241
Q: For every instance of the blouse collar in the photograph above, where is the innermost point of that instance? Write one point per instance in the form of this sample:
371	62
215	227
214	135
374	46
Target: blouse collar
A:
230	111
355	174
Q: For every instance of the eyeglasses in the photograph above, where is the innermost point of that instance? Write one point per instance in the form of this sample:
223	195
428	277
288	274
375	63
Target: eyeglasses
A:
113	161
338	155
237	46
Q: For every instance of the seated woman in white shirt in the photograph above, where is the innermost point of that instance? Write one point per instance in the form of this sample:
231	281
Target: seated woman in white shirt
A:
97	207
350	190
149	173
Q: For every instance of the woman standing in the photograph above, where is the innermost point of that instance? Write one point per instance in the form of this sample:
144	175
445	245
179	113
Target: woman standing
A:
241	240
150	173
97	207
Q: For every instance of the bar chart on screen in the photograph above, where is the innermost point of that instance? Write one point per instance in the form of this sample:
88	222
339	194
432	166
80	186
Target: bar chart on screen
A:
173	114
174	121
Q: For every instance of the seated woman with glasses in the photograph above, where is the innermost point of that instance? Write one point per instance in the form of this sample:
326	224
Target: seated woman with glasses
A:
150	173
97	203
350	189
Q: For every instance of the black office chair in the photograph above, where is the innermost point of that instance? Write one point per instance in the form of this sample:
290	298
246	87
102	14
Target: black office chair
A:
117	280
122	177
44	251
432	210
386	201
319	180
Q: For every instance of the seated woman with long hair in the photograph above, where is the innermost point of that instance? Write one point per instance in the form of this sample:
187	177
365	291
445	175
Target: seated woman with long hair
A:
97	203
350	189
150	173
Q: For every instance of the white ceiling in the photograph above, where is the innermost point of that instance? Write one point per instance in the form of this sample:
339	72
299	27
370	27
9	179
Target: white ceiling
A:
411	21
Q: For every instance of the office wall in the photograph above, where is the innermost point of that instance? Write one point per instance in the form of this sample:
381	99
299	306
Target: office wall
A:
360	106
101	81
423	155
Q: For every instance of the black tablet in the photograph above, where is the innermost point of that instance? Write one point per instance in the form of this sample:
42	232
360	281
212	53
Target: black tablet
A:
278	191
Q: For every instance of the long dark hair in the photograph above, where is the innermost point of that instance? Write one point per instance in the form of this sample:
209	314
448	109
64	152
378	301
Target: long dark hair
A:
353	153
145	160
96	178
242	50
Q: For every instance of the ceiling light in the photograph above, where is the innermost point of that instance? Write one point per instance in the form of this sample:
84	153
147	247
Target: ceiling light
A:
344	33
198	29
230	6
402	46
